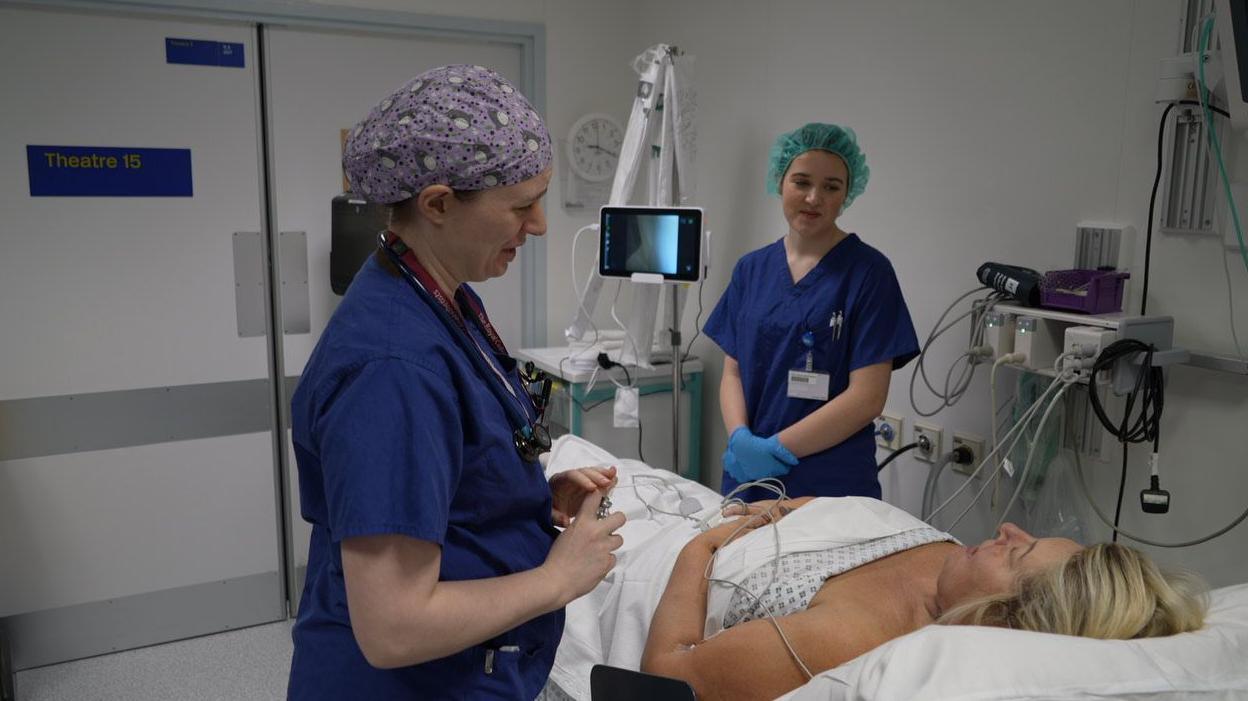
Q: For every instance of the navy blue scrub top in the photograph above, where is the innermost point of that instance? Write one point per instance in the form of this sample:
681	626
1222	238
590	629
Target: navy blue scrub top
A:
760	322
396	432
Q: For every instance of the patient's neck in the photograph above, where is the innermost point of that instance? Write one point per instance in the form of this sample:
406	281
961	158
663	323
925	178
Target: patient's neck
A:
920	588
927	603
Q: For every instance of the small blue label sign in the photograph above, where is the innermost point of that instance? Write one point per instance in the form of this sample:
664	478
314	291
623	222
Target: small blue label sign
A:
104	171
201	52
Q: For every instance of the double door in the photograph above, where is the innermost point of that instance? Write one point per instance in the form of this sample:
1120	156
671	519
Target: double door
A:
151	329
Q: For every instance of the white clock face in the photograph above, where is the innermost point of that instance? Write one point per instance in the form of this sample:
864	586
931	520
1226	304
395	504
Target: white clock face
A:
594	147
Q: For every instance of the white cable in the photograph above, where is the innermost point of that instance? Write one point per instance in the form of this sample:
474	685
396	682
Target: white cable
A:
929	487
628	335
996	474
1022	476
651	509
1230	301
1087	495
991	479
978	313
770	484
992	395
1062	383
776	487
1011	434
576	290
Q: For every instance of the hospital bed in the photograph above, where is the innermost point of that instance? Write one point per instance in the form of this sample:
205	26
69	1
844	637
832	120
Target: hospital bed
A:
608	626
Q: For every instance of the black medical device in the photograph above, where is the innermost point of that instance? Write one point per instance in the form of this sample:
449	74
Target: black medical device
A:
608	683
353	229
1155	500
1023	284
650	244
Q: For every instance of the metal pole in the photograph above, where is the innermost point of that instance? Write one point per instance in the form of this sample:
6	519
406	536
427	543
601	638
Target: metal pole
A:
676	378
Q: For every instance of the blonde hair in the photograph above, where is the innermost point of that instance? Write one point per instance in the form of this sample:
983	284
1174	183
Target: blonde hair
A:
1106	591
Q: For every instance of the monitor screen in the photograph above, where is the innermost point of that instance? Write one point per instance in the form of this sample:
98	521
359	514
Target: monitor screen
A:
663	241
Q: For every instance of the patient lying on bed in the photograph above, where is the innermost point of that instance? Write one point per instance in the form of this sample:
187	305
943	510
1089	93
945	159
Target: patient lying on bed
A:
836	595
841	576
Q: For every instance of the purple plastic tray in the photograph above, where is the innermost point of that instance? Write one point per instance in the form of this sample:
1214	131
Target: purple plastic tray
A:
1087	291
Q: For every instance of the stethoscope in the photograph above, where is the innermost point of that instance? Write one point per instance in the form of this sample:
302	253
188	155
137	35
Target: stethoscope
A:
531	437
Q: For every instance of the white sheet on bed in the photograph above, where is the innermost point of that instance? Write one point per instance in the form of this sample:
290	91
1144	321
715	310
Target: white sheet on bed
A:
605	626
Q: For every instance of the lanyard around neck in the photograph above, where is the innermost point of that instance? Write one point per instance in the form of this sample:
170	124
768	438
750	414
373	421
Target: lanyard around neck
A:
421	280
430	285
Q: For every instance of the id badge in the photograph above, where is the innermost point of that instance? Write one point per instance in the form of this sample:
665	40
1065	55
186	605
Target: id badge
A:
808	385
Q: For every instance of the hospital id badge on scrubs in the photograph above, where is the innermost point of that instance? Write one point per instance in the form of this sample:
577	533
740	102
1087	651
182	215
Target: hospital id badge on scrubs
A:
804	384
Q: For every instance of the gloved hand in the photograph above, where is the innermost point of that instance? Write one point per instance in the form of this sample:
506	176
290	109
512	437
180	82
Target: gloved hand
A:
752	457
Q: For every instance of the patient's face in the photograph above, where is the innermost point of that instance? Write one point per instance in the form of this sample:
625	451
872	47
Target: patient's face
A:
995	566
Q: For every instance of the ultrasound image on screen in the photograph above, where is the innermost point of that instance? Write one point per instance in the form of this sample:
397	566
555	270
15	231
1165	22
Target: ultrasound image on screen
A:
651	243
663	243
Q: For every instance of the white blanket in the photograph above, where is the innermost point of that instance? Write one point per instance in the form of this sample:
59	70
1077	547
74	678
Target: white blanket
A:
609	625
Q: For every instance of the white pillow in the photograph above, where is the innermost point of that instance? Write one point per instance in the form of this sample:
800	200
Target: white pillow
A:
939	663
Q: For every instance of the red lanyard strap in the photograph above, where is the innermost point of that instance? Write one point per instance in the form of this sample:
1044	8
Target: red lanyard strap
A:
431	286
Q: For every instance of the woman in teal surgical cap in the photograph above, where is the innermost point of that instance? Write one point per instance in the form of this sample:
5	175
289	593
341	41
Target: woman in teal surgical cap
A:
812	326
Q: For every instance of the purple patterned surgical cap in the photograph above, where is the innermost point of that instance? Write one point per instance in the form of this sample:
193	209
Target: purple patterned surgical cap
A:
461	126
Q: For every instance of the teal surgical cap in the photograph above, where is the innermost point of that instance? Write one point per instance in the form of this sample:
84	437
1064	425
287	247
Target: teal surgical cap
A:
824	137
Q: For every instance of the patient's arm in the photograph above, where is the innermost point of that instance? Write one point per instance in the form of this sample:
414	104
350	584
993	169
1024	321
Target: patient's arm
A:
749	660
765	506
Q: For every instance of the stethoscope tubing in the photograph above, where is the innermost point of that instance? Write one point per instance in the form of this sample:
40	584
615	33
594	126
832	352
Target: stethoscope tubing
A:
523	424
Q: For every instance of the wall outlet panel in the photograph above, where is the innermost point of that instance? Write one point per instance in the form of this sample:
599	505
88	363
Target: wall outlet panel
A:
933	434
895	423
973	443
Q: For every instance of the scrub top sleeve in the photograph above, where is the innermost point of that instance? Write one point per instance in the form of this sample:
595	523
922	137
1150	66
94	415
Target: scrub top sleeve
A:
721	326
390	442
880	326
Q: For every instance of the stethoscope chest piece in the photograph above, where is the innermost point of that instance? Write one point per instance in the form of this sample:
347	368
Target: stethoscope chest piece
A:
531	441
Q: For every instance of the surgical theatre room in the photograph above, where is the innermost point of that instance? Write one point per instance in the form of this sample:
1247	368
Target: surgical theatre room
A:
583	350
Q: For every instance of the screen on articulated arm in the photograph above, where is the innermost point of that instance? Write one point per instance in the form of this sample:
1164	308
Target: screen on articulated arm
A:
664	241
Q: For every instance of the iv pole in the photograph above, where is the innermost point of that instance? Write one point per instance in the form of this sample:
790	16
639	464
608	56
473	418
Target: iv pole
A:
663	110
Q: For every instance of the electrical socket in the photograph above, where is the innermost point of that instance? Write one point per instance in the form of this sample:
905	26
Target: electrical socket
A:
932	433
891	425
975	444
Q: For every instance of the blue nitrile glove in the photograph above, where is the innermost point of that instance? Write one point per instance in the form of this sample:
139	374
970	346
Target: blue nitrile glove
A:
754	457
732	468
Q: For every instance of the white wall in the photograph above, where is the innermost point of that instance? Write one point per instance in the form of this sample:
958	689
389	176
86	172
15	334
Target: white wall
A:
991	128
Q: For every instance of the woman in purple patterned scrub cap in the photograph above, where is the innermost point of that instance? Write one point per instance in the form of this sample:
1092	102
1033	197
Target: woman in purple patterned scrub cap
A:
435	568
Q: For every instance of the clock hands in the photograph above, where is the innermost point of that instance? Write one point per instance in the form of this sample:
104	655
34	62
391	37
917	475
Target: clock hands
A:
606	151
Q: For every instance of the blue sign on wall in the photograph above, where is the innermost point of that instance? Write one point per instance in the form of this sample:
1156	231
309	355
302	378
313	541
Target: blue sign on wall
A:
201	52
105	171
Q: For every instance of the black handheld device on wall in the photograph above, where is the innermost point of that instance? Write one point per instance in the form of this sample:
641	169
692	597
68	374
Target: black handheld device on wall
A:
354	224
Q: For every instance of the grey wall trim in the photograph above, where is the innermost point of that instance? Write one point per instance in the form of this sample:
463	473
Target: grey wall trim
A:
249	283
292	258
274	12
75	423
57	635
